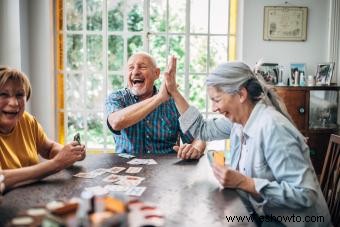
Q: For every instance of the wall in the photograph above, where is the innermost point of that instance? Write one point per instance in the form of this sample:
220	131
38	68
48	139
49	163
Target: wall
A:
26	43
311	52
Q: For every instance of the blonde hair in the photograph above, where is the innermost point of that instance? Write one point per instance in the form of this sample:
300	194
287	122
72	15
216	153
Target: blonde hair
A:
10	74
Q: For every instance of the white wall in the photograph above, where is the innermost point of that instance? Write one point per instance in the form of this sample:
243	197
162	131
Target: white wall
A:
311	52
26	43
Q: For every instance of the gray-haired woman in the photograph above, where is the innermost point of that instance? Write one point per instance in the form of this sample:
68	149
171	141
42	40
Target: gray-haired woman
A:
270	160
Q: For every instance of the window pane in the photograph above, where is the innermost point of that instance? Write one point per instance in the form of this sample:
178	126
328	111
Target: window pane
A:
74	92
219	11
177	48
135	44
110	143
158	15
158	50
199	16
198	54
74	52
94	10
115	15
115	52
218	50
135	15
94	95
74	15
75	124
114	83
94	52
177	16
198	91
95	131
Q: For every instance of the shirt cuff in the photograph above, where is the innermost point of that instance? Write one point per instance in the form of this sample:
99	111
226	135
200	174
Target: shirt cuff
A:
2	185
259	205
187	119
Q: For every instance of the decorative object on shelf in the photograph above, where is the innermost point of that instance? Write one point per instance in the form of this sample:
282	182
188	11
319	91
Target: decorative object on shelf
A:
285	23
324	73
297	72
269	72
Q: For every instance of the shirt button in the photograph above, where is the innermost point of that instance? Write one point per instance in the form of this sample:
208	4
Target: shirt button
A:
147	136
148	152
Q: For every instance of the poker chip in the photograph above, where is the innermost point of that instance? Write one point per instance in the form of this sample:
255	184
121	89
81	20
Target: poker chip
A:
54	205
24	220
36	211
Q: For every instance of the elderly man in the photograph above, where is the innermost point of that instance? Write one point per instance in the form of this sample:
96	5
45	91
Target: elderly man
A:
142	120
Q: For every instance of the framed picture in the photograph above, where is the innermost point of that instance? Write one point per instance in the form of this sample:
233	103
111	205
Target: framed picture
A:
269	72
296	68
286	23
324	73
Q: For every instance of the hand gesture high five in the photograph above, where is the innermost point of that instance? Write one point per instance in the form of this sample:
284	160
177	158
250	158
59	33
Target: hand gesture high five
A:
170	76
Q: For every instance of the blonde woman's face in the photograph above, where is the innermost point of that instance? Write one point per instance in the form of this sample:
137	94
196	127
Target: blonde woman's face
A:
228	105
12	105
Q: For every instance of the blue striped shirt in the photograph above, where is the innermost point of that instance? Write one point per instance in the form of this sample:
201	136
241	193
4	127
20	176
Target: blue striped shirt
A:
157	133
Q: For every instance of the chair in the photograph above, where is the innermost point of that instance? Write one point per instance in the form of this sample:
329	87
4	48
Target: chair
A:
330	175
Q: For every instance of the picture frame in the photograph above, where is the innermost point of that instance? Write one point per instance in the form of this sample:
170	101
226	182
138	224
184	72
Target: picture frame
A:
324	73
296	67
269	72
285	23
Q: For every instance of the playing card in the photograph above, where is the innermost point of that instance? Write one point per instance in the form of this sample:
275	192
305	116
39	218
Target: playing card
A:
97	190
77	138
115	169
125	155
116	188
133	169
85	175
112	178
135	191
129	180
99	171
219	157
140	161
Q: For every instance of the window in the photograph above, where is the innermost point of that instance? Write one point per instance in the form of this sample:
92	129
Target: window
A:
96	37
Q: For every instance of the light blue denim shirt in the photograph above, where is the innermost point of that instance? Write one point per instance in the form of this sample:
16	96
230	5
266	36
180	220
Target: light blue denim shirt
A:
278	161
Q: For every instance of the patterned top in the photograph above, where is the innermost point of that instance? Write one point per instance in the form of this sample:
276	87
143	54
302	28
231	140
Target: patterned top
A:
157	133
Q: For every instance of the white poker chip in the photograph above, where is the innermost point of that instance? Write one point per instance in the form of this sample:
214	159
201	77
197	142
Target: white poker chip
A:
54	205
24	220
36	211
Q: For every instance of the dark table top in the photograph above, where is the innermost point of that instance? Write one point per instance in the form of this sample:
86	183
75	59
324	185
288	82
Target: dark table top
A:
185	191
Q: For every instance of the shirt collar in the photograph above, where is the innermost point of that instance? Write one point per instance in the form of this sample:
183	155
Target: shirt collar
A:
252	124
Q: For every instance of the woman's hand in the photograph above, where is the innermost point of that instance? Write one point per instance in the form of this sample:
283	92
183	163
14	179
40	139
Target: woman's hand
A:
69	154
229	178
187	151
163	94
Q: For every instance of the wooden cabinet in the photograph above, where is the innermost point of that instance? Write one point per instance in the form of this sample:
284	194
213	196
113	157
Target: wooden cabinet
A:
314	111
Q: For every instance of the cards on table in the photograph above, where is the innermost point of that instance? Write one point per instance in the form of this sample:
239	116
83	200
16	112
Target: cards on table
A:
125	155
140	161
133	169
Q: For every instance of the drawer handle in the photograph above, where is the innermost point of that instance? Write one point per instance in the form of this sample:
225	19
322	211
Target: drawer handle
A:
301	110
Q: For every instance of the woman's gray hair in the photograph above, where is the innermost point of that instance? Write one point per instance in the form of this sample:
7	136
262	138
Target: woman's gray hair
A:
230	77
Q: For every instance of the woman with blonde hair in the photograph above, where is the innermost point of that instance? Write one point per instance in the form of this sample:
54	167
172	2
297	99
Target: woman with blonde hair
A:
22	139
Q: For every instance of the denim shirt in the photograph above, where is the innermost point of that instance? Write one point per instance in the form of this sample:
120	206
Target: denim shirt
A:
278	161
157	133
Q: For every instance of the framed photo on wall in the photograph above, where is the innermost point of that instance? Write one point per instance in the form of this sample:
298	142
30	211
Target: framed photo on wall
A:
324	73
285	23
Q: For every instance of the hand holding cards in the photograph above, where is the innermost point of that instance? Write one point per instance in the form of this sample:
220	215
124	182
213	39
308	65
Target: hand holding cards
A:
216	157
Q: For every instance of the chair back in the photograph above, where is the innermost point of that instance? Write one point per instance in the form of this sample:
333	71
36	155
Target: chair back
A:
330	175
